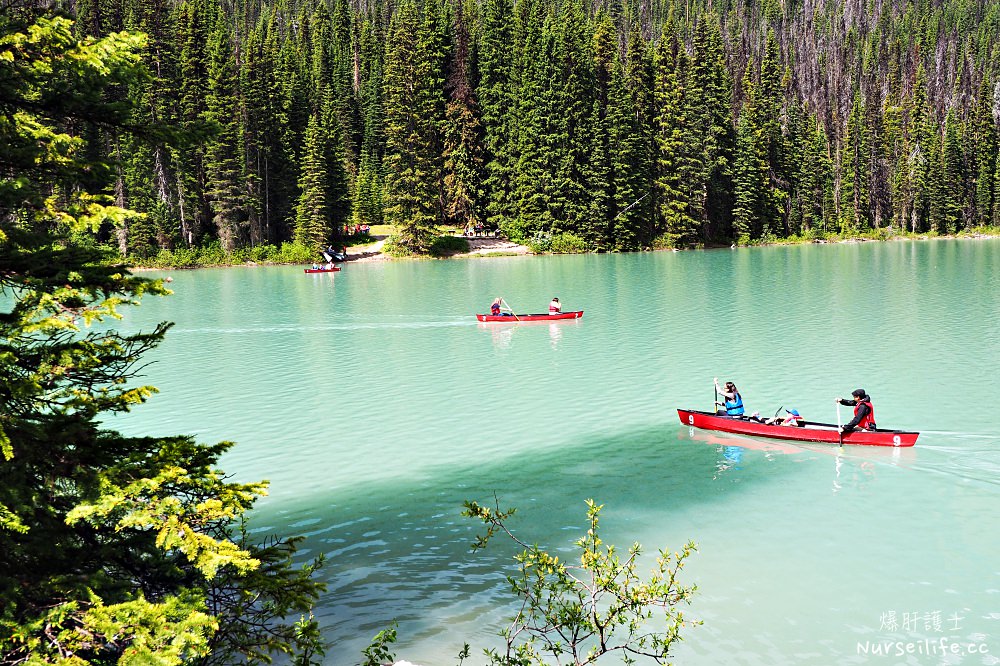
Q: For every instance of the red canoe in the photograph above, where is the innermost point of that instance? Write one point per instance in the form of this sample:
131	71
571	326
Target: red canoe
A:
530	317
323	270
811	432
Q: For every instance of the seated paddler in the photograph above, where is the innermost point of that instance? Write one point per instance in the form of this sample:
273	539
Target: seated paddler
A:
732	404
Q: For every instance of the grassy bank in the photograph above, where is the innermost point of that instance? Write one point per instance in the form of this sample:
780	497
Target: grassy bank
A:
214	255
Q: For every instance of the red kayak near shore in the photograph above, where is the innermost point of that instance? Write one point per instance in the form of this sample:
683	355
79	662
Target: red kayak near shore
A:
810	432
323	270
511	318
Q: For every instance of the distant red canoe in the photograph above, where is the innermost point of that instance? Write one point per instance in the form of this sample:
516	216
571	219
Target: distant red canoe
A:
530	317
811	432
323	270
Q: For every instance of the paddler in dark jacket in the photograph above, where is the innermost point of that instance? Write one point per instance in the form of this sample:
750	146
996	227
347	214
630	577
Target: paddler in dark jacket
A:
864	413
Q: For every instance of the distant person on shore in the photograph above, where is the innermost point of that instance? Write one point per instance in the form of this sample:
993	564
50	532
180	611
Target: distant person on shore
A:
732	402
555	307
864	413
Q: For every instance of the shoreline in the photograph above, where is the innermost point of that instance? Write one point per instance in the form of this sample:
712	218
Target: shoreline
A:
501	247
479	246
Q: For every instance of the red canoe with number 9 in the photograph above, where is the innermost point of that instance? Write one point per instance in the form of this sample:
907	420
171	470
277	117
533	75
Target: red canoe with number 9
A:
810	432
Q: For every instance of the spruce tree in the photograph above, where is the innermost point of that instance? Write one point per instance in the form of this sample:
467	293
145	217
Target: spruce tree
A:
594	229
953	177
413	110
192	36
855	169
921	161
224	158
462	145
752	187
986	147
719	132
368	190
538	130
569	118
635	202
115	549
674	222
497	101
313	217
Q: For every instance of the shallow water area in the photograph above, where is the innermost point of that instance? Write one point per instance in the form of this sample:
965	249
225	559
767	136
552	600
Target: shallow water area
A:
375	404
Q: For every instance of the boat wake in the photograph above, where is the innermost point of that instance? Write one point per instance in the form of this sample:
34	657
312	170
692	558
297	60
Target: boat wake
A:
289	328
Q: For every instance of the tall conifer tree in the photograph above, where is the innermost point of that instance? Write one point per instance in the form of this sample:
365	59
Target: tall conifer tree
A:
414	109
223	159
497	101
674	220
463	162
986	146
194	209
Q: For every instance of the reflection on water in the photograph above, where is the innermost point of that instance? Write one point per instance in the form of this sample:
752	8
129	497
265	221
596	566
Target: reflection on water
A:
555	333
502	333
375	405
855	467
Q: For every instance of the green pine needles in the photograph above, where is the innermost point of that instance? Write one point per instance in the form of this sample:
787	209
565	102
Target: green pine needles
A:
627	127
115	549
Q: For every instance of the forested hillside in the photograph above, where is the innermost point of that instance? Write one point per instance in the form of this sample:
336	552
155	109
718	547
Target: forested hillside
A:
604	125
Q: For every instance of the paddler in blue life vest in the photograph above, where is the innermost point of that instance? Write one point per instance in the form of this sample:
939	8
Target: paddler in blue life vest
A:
864	413
733	401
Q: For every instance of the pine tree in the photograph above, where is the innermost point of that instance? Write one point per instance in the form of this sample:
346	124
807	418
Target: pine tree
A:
953	177
752	186
538	130
463	161
497	101
856	167
634	200
255	77
223	159
193	205
594	229
768	113
921	159
713	128
313	215
986	146
674	220
569	119
115	548
368	191
815	182
413	108
147	172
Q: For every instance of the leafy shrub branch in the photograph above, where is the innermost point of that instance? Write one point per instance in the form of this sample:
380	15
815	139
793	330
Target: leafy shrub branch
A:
578	613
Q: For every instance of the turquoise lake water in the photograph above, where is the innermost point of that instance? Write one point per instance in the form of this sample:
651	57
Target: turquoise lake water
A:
375	404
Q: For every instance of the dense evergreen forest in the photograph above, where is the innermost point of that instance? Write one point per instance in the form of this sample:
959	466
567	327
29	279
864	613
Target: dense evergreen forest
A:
593	124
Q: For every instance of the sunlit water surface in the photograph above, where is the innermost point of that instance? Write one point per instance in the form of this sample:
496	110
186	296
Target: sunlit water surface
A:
375	404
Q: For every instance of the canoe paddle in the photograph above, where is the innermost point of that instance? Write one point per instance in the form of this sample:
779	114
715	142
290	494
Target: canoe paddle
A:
840	431
509	308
